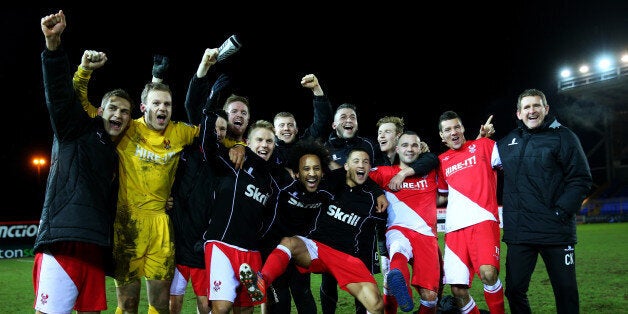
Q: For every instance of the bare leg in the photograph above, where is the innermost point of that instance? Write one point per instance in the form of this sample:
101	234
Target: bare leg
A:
176	303
221	307
461	294
129	296
158	292
202	304
242	310
368	294
299	251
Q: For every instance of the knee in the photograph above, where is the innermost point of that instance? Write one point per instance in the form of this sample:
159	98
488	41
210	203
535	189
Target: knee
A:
289	242
489	274
203	305
221	307
377	306
461	294
286	241
205	308
428	295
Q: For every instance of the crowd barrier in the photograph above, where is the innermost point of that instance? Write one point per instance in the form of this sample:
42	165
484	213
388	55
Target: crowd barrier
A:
17	238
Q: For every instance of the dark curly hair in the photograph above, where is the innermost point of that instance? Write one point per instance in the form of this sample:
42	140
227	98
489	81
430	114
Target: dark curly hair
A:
308	146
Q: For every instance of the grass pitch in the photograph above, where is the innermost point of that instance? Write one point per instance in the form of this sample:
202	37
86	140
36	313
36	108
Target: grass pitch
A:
601	266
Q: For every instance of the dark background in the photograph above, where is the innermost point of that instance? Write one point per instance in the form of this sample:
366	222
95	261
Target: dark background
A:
414	60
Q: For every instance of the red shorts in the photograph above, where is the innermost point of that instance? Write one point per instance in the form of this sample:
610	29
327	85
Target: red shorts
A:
70	275
421	250
467	249
183	274
344	267
222	262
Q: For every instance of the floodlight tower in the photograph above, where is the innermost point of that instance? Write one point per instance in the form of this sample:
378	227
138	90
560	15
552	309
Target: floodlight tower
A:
604	84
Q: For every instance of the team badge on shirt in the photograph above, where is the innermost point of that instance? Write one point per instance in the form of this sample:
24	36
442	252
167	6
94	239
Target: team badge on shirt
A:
472	148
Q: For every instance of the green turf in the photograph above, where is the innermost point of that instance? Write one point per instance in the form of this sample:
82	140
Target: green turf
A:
602	264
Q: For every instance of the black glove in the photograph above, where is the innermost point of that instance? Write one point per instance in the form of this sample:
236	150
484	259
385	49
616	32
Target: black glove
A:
160	65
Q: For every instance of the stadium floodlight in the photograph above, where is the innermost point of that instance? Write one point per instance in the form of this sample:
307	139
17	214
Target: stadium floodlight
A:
565	73
604	64
606	67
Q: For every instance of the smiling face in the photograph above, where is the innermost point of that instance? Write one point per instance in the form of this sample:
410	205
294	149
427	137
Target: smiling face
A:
157	109
116	113
286	129
345	123
262	142
452	133
310	172
387	136
531	111
238	113
358	166
408	148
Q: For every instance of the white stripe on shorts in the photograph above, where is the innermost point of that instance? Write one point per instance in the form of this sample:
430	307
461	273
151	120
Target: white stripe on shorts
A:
57	292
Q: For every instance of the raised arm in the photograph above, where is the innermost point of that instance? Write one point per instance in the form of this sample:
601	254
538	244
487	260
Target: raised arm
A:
323	113
66	115
487	129
160	66
198	91
53	26
90	61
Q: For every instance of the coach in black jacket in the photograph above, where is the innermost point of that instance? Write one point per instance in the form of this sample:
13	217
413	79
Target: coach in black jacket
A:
546	178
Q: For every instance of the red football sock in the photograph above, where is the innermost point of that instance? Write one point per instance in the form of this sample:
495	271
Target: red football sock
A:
494	297
275	265
390	304
427	310
399	261
470	308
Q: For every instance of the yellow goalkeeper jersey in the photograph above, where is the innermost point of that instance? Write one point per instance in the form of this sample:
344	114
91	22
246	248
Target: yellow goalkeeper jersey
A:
148	163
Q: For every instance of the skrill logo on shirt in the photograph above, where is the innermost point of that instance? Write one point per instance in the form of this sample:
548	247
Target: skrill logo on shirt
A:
469	162
253	192
337	213
297	203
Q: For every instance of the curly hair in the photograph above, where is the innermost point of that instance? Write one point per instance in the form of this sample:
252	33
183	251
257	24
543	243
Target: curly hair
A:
308	146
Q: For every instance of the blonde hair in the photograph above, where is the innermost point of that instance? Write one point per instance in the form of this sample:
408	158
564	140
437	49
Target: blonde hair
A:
261	124
398	122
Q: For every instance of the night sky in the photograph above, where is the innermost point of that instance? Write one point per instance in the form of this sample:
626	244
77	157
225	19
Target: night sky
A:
412	62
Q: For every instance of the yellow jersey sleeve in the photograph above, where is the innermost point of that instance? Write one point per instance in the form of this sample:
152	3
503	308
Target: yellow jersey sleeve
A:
80	82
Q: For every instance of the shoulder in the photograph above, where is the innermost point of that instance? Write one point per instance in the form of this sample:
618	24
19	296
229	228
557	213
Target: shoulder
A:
513	134
366	140
182	125
484	141
183	129
566	135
